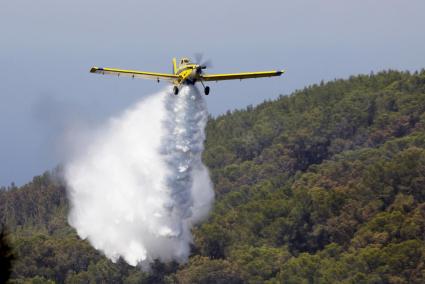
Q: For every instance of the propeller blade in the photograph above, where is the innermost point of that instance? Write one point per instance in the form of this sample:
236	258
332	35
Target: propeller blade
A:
198	57
207	63
199	61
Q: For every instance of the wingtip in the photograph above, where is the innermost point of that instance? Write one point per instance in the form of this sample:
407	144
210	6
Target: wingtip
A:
280	72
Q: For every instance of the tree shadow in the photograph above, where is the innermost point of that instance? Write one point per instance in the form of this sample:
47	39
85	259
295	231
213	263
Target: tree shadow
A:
6	255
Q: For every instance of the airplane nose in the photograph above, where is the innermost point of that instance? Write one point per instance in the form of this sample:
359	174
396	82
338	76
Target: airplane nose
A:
198	69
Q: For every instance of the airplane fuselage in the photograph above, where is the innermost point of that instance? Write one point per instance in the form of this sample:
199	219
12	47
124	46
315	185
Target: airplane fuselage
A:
189	74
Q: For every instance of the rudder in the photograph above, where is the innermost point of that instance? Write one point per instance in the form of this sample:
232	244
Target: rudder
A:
174	65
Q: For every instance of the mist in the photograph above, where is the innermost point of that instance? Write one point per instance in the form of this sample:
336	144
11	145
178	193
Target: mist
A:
137	185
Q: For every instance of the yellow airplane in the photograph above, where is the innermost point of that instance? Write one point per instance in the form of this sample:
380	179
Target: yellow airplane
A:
186	73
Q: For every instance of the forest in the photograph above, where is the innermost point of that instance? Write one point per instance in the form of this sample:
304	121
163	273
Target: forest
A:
325	185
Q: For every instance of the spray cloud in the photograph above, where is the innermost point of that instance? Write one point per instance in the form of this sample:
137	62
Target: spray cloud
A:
139	185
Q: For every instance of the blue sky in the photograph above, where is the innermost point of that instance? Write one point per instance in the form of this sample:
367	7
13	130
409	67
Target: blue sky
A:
48	46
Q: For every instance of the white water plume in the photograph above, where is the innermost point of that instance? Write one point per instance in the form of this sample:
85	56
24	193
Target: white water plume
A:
139	185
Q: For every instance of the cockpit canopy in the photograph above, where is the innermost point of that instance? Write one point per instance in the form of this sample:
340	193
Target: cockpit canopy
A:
184	61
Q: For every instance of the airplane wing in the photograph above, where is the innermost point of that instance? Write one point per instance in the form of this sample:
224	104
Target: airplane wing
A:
134	74
246	75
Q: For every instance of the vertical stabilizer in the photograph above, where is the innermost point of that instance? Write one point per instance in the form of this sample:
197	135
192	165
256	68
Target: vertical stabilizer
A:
174	65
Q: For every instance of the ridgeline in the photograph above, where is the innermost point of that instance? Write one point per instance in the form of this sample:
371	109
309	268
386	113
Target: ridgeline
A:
325	185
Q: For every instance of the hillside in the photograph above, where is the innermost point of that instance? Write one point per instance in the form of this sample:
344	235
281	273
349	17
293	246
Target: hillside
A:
325	185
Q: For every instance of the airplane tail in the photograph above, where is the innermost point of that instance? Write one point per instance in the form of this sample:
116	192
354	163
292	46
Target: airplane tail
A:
174	65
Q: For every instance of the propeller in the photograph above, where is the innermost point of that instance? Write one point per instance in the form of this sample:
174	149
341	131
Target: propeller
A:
199	61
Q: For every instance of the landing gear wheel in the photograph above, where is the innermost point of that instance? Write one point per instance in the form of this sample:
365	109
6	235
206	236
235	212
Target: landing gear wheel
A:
175	90
207	90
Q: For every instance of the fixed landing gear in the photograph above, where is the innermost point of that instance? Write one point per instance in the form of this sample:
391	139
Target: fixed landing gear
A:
175	90
207	90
